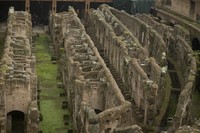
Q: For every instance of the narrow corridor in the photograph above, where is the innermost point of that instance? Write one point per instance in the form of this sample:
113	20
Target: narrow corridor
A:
52	114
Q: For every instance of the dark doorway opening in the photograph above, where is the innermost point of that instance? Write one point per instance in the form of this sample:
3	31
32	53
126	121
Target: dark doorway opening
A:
16	122
195	44
97	111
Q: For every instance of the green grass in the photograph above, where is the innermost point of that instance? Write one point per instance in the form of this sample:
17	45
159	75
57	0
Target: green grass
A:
50	101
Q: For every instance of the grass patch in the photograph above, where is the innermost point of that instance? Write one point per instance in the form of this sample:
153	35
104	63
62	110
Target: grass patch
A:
50	100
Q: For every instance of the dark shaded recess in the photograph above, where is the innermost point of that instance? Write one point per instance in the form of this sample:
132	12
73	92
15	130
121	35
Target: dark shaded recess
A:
40	10
5	5
18	121
97	111
195	44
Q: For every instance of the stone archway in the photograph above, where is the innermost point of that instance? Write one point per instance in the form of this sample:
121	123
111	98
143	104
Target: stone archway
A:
15	122
195	44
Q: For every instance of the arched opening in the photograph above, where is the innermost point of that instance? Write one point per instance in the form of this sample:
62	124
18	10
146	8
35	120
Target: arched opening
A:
195	44
15	122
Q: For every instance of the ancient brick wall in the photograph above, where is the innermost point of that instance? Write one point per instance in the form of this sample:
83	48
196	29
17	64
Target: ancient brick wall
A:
148	37
178	44
138	47
181	6
158	39
131	71
18	62
89	84
181	54
188	8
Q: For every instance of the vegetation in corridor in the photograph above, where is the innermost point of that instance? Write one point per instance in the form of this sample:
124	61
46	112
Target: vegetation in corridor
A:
50	100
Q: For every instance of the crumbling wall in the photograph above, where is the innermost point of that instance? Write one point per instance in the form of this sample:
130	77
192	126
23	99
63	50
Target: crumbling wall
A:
58	26
18	69
177	40
146	35
164	28
181	6
111	34
181	54
93	95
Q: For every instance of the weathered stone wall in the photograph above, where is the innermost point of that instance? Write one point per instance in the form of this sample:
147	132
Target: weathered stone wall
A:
173	44
177	40
18	69
93	95
163	28
58	26
141	77
198	11
147	36
180	53
188	8
181	6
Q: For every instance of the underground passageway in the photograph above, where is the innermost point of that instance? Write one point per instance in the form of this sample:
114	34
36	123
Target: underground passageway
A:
16	122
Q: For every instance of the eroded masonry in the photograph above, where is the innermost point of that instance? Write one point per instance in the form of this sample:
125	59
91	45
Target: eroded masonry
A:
121	73
122	76
18	79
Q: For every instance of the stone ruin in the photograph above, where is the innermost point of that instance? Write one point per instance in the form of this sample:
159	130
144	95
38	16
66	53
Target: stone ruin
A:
94	98
142	76
149	83
124	78
117	79
18	77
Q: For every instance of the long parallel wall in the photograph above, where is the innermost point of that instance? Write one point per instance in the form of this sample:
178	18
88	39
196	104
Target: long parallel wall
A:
177	41
177	49
94	98
180	54
18	79
144	78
